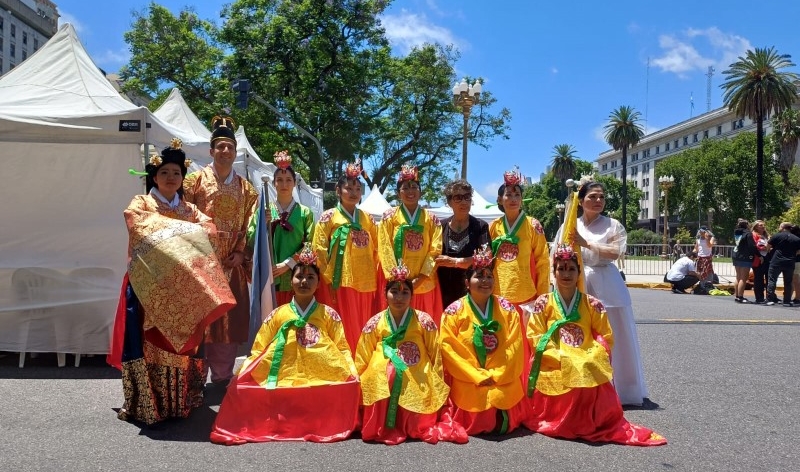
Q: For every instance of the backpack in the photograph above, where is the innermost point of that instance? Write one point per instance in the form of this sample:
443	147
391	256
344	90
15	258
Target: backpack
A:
703	288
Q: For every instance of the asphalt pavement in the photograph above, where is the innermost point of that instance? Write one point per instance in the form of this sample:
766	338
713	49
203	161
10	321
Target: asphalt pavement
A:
725	377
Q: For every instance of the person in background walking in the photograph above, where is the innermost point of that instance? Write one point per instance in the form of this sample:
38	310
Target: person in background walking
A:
784	247
744	251
761	261
704	247
676	251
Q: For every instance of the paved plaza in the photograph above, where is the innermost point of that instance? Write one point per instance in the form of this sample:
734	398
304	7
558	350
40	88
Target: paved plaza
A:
725	377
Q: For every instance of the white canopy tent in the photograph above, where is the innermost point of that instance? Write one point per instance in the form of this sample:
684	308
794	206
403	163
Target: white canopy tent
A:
480	209
176	112
68	141
375	204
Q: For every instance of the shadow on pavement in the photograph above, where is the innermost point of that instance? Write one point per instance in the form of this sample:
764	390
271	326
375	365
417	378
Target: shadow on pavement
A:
45	366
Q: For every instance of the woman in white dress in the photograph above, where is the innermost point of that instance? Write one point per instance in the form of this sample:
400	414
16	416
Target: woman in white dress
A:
603	240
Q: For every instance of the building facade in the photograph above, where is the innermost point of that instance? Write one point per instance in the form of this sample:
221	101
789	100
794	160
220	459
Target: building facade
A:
25	25
642	158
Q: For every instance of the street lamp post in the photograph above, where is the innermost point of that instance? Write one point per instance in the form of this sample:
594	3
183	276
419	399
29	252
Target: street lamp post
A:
666	183
464	97
560	210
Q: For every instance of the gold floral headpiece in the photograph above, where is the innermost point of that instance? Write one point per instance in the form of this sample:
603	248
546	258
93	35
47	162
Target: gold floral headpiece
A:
282	159
307	255
155	160
399	273
482	258
511	178
408	172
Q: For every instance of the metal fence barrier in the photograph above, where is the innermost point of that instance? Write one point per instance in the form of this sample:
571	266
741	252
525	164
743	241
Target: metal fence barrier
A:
648	259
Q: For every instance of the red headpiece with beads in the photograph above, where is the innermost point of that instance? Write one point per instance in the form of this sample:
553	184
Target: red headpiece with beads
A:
307	255
482	258
353	170
564	252
408	172
511	178
399	272
282	159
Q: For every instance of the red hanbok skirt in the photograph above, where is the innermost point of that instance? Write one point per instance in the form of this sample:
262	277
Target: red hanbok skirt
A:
425	427
355	308
251	413
591	414
483	422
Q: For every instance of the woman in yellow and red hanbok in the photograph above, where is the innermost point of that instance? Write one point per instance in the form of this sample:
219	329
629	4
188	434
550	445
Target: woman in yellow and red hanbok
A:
174	289
400	366
346	241
570	376
299	383
409	232
482	351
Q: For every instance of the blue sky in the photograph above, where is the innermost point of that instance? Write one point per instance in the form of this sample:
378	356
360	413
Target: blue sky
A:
560	67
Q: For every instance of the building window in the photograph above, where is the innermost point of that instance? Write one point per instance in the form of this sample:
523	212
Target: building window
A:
12	50
666	147
1	45
646	167
737	124
24	54
35	44
694	138
646	152
635	156
605	166
675	143
705	134
614	165
647	195
13	30
634	171
686	140
719	130
658	150
1	23
24	37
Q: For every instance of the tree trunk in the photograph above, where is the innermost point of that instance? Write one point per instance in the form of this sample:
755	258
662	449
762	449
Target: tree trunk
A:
788	150
625	187
760	167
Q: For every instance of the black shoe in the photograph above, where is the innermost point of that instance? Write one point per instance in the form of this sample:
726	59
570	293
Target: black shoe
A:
760	302
683	291
738	300
675	290
788	304
796	301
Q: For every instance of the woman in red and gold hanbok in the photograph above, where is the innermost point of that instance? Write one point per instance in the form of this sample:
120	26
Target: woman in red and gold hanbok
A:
570	376
400	366
482	353
174	289
346	241
411	233
299	383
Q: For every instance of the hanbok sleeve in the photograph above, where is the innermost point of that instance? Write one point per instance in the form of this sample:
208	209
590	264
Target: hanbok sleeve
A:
511	369
190	187
336	332
386	243
250	205
538	324
430	336
540	258
462	363
434	230
321	241
367	343
266	333
601	328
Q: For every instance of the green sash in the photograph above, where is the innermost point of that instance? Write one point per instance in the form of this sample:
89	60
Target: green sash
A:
339	243
389	344
280	341
510	235
484	325
400	237
571	317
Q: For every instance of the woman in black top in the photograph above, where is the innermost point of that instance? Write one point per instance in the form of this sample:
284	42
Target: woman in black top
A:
462	234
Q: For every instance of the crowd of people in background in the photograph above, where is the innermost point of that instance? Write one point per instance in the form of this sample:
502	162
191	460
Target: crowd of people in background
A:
407	328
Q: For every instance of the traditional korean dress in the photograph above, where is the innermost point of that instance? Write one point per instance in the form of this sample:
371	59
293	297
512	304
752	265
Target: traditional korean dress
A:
417	240
291	227
402	382
299	382
571	374
346	248
173	290
476	346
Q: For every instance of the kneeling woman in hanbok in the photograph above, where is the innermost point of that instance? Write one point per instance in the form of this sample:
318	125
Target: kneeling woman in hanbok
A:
400	366
482	352
571	370
299	383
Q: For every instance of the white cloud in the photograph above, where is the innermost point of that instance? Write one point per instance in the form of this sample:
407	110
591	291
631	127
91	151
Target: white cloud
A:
599	133
696	49
109	57
407	30
66	17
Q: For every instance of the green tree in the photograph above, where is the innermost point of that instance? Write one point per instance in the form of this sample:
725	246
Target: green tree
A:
622	132
176	51
718	176
754	87
786	136
563	164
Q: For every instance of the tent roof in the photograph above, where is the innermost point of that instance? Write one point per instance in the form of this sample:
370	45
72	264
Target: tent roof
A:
375	203
176	111
478	209
59	95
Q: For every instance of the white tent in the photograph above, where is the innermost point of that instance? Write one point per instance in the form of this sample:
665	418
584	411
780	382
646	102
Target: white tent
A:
176	112
480	209
375	203
68	141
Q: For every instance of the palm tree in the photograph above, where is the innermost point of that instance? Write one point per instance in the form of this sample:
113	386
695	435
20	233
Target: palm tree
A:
563	164
754	87
622	132
786	136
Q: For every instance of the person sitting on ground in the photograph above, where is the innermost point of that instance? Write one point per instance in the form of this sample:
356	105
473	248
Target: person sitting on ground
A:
683	273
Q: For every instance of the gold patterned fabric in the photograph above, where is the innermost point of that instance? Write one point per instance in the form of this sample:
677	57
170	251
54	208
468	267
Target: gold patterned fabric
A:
230	206
155	391
175	274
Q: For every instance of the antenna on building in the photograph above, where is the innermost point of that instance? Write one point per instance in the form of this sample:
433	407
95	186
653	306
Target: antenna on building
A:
708	87
646	94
